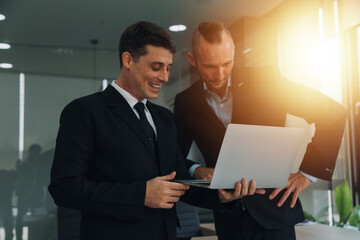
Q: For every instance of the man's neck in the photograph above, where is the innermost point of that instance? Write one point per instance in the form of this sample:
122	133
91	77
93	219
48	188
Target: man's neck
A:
123	83
221	92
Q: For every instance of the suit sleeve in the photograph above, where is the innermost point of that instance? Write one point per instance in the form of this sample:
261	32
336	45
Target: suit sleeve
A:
329	118
71	185
200	197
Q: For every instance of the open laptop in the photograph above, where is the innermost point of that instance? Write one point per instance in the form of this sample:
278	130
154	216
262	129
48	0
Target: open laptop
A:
262	153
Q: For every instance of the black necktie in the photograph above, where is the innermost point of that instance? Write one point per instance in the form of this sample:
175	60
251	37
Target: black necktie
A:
149	131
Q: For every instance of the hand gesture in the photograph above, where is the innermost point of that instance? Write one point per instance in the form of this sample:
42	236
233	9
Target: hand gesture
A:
296	183
161	193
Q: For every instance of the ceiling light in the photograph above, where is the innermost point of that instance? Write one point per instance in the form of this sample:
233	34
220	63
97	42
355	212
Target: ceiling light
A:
2	17
6	65
4	46
177	28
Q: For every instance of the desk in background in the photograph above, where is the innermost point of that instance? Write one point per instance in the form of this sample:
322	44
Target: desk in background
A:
303	232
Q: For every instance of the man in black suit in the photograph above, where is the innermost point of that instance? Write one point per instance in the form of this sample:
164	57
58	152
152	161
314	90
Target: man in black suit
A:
227	94
116	153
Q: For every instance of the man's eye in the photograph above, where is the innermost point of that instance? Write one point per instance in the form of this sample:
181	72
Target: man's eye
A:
228	64
155	69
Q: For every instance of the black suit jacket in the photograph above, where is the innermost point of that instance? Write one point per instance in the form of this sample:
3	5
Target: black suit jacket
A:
261	96
102	162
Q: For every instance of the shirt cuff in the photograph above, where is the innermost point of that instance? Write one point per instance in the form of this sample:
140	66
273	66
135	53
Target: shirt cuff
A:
192	169
311	178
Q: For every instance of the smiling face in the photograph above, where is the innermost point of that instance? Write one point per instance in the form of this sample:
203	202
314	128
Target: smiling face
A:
144	78
214	62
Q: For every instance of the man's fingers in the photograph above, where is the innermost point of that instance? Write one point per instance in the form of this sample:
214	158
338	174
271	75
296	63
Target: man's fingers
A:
168	177
238	189
275	193
175	193
161	193
177	186
228	193
284	197
252	187
244	188
167	205
203	173
221	191
173	199
260	191
208	177
294	198
296	183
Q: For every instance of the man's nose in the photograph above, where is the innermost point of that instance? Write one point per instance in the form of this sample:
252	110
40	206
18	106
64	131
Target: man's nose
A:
164	75
220	73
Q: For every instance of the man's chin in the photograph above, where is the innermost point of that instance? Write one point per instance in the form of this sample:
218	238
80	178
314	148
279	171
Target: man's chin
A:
215	85
152	96
215	88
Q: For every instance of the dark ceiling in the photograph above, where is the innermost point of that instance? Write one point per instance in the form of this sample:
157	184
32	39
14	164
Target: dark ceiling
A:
54	37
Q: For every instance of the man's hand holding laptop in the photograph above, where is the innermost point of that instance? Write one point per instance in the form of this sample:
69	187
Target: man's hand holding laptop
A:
203	173
241	188
296	184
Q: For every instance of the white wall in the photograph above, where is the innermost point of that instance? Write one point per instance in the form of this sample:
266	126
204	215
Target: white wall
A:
350	13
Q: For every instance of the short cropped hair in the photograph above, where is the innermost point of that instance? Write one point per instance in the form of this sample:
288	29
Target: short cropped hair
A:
211	31
135	38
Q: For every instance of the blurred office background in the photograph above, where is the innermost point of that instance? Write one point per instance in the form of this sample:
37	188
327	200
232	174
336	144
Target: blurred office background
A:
55	51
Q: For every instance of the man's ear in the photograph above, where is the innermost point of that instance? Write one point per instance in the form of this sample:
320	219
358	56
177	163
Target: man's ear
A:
127	60
191	59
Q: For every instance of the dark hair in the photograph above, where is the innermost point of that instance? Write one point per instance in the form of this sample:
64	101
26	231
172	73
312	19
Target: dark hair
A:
137	36
35	147
211	31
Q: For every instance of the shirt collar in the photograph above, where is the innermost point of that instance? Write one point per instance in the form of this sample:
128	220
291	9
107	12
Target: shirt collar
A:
128	97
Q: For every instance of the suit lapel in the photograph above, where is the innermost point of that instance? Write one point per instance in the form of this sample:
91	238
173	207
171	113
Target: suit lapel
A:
207	115
122	110
162	136
243	96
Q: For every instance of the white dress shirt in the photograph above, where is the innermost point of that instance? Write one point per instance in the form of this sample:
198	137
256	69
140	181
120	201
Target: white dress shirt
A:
132	101
222	107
